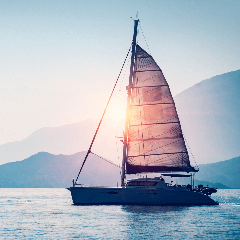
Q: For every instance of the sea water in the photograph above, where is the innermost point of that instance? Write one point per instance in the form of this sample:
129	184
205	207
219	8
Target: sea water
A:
40	213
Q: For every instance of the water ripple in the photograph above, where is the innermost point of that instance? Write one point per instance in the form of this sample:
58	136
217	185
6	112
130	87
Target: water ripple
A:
49	214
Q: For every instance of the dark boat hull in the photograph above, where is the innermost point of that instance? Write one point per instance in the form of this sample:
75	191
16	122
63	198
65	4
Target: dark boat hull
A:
137	196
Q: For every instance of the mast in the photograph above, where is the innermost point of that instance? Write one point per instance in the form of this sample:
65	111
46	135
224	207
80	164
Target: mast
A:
128	104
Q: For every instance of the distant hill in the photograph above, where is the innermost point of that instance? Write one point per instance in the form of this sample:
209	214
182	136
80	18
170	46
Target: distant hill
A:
67	139
210	114
47	170
225	172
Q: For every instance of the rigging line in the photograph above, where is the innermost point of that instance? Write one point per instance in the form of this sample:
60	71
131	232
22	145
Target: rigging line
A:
191	153
161	160
162	147
89	150
106	160
144	37
159	135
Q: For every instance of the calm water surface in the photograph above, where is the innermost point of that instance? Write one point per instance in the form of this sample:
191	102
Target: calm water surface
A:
49	214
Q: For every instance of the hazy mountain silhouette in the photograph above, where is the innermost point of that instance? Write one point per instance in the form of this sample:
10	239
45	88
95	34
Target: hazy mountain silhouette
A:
210	117
67	139
48	170
209	113
225	172
45	170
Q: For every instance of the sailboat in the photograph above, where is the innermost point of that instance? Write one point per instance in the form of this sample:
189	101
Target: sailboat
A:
153	143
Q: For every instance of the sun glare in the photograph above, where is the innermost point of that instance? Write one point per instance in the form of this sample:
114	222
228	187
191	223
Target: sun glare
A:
117	112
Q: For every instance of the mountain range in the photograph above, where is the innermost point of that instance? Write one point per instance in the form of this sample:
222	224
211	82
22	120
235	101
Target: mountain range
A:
67	139
224	172
209	113
45	170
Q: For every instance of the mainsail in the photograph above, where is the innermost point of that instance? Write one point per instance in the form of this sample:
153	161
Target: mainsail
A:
154	140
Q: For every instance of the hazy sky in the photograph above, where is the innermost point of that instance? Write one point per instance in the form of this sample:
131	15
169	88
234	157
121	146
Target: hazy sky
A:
60	59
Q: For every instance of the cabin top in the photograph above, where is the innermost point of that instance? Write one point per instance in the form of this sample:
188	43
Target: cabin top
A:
146	181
